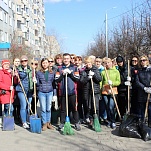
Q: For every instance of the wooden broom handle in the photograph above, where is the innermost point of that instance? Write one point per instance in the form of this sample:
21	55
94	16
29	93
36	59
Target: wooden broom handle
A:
66	95
128	90
113	94
24	92
93	95
35	93
11	92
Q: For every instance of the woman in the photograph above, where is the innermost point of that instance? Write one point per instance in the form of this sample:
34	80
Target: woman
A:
6	87
134	69
58	59
107	96
143	84
90	72
25	78
16	103
46	90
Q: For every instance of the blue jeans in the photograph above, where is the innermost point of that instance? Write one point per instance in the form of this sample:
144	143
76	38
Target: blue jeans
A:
103	108
110	107
6	110
24	106
45	100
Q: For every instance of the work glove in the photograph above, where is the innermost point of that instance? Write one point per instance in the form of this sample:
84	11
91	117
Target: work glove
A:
147	90
55	100
110	82
128	78
65	71
34	80
68	71
11	87
127	83
91	73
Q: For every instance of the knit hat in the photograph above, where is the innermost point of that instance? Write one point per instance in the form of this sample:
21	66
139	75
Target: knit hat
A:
24	57
119	59
5	61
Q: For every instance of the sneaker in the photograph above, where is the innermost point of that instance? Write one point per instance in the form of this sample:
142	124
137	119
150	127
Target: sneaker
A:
113	125
77	127
108	124
25	125
61	126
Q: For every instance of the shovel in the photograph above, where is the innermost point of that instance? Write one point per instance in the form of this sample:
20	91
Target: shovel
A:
8	121
35	122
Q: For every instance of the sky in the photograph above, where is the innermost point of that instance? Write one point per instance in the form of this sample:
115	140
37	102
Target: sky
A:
76	23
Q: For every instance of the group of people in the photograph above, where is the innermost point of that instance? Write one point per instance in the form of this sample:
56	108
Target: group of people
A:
68	75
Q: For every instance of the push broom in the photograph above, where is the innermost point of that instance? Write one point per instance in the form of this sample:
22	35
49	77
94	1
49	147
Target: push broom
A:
96	123
128	93
67	126
8	121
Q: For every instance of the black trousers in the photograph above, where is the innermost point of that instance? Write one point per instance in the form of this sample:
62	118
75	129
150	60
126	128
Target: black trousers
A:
72	107
89	105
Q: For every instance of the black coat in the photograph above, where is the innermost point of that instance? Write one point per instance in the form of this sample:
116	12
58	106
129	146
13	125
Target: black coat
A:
122	88
87	88
143	79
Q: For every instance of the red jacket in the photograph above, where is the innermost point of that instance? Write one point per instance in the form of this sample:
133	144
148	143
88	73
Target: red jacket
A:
5	83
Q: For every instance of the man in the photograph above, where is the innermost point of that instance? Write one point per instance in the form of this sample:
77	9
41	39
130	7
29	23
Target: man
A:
6	88
72	78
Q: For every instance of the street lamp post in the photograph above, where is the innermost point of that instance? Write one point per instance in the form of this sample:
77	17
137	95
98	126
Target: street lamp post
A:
106	31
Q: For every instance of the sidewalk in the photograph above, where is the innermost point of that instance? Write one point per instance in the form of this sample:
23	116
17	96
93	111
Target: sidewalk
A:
85	140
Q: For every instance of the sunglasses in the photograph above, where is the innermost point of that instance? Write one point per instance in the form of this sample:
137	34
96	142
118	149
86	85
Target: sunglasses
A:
98	57
24	60
134	60
51	61
72	57
36	64
143	60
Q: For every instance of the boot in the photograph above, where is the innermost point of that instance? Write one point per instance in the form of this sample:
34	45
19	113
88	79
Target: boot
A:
44	127
49	126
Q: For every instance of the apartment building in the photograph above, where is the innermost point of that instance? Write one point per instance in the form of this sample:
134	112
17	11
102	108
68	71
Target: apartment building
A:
23	22
6	27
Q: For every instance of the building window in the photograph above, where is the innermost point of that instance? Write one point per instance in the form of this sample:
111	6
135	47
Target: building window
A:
18	8
1	14
35	21
26	36
10	4
19	24
10	38
1	36
19	40
36	32
10	21
6	37
36	42
5	17
35	11
13	7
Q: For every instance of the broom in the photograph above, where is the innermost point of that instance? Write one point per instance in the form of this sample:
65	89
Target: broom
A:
146	109
128	93
67	126
96	123
113	95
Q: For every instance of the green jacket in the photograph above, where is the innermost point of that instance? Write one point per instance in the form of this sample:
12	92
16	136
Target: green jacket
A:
114	76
